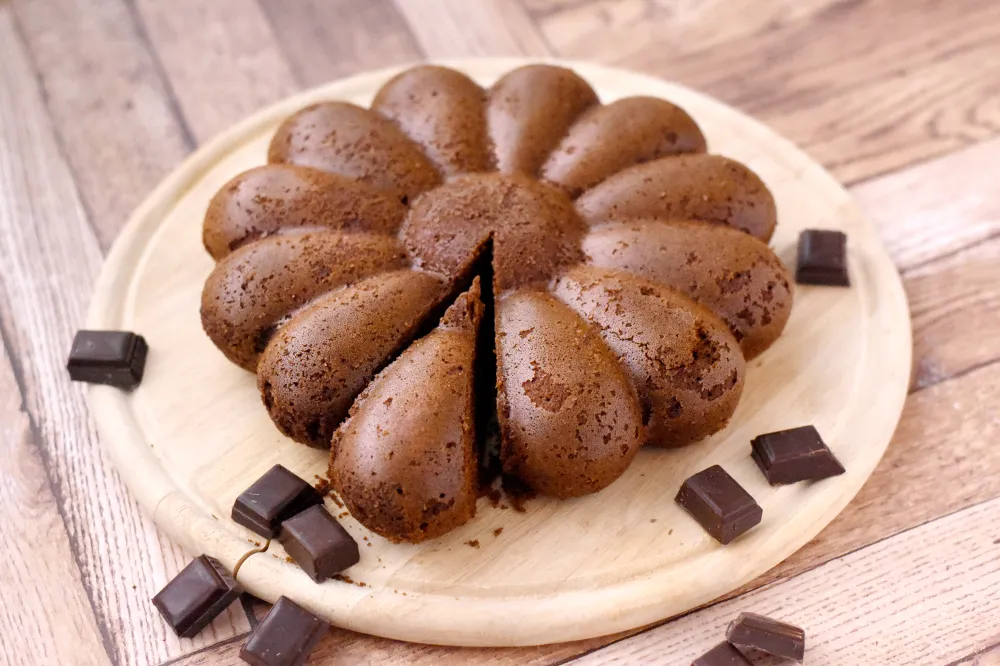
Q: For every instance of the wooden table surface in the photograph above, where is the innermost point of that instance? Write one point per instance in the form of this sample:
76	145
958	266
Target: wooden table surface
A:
99	99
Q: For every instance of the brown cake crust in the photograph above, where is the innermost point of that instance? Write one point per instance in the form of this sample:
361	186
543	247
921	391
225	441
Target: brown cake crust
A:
607	138
530	109
570	418
442	111
710	188
319	361
730	272
684	361
253	289
358	143
405	462
281	197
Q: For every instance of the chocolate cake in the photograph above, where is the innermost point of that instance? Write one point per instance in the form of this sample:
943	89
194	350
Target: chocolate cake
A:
625	280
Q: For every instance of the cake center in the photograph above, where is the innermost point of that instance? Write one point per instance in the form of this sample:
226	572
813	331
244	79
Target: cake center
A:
534	228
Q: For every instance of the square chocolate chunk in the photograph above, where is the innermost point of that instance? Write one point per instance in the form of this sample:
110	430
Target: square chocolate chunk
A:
789	456
116	358
272	499
822	258
285	637
196	596
318	543
719	504
750	632
722	654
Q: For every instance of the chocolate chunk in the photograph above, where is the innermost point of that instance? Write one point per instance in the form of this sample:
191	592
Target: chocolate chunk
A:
285	637
719	504
722	654
750	631
318	543
822	258
116	358
273	499
794	455
196	596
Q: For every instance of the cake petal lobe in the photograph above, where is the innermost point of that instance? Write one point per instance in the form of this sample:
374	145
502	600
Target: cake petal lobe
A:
444	112
710	188
317	363
608	138
733	274
570	420
530	109
405	460
682	359
274	198
251	291
358	143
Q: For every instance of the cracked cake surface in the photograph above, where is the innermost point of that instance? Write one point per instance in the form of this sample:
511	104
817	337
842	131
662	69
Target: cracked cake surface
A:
618	274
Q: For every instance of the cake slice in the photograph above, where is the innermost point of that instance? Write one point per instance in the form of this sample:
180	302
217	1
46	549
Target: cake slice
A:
404	461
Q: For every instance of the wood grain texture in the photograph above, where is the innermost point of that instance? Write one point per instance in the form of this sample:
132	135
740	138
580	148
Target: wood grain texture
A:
111	110
940	223
51	621
327	39
347	648
987	657
936	208
221	59
459	28
51	259
866	87
955	305
923	598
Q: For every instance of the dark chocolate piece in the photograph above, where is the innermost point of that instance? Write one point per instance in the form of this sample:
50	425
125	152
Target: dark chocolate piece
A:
822	258
750	631
196	596
116	358
285	637
318	543
719	504
722	654
273	499
794	455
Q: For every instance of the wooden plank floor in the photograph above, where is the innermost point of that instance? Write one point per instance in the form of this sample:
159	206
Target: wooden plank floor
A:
99	99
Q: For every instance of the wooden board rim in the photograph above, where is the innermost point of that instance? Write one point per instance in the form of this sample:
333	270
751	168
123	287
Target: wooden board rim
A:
565	615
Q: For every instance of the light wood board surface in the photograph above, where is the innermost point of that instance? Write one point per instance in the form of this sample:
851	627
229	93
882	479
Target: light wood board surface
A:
617	560
896	97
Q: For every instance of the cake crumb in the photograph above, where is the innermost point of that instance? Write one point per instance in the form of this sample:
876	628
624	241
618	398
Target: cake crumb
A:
347	579
497	531
322	485
670	531
289	559
474	543
652	520
343	514
336	499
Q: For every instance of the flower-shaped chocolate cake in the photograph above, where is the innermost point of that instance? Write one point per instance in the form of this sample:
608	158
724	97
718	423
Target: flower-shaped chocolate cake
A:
386	261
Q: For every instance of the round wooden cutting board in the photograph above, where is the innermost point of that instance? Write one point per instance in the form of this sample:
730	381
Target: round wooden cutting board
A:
194	434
